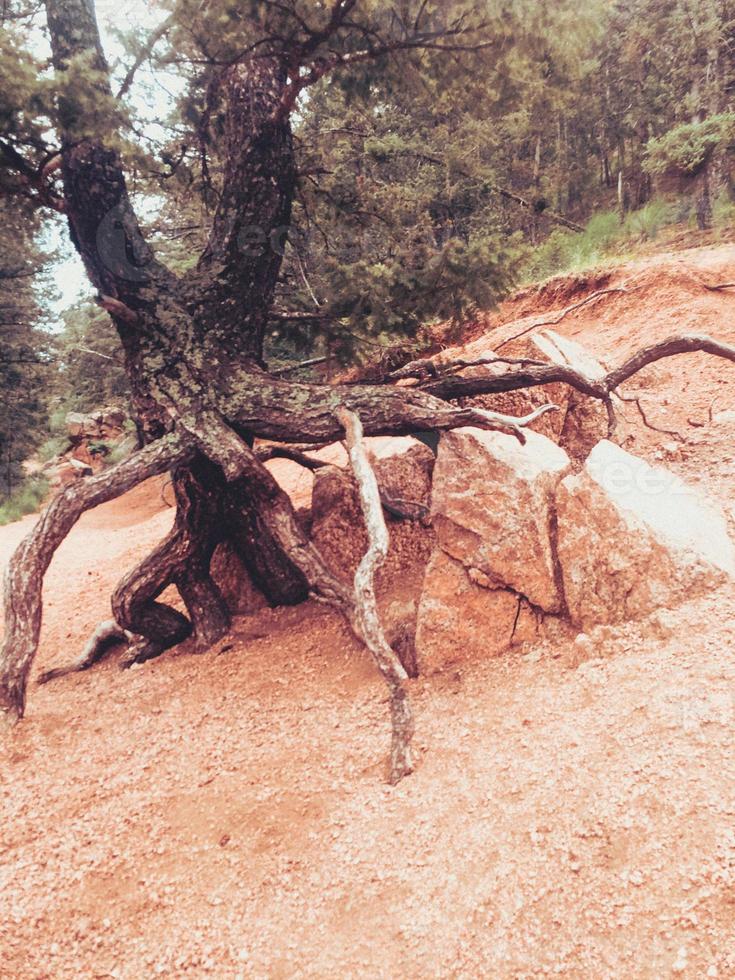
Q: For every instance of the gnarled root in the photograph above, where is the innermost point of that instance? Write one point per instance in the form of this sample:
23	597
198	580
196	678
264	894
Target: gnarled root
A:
134	607
25	572
182	559
107	635
364	617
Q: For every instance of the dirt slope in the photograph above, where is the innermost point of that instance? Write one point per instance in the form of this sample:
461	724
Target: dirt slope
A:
225	815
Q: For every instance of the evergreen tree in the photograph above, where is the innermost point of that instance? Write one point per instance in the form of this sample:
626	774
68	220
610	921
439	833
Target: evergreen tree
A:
24	346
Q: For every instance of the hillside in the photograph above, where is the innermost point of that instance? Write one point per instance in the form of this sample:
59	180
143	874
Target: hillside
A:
225	815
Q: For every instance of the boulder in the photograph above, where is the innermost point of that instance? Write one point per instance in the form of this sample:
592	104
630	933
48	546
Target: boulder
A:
107	423
461	618
403	469
633	538
492	508
493	571
75	425
337	526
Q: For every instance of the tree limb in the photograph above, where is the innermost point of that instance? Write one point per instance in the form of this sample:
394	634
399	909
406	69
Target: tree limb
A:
452	387
105	636
145	52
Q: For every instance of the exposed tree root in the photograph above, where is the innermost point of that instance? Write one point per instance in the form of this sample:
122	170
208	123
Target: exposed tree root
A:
364	618
450	387
25	572
646	421
107	635
592	298
223	489
182	559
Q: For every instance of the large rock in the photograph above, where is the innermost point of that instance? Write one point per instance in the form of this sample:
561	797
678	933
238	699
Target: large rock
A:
107	423
403	470
493	571
75	425
492	508
633	538
463	617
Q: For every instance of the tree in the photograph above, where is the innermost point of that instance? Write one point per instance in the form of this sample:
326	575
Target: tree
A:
194	344
24	348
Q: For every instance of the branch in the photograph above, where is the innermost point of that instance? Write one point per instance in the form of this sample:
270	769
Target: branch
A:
684	344
430	368
105	636
31	178
27	567
429	41
649	425
145	52
453	387
288	412
365	617
311	362
554	216
268	453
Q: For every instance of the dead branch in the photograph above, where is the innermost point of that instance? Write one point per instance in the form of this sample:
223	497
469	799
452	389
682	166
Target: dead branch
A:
265	406
267	453
452	387
592	298
545	212
684	344
311	362
365	617
145	52
24	575
430	368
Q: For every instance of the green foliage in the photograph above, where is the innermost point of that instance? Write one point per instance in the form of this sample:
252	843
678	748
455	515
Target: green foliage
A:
723	211
27	498
53	446
567	251
686	147
399	220
90	372
646	223
119	452
604	237
24	347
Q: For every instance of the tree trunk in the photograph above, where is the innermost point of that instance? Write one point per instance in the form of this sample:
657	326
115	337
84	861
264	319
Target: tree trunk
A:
704	195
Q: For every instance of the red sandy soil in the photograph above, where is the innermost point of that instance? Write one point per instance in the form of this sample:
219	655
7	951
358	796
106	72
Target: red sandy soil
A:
226	815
